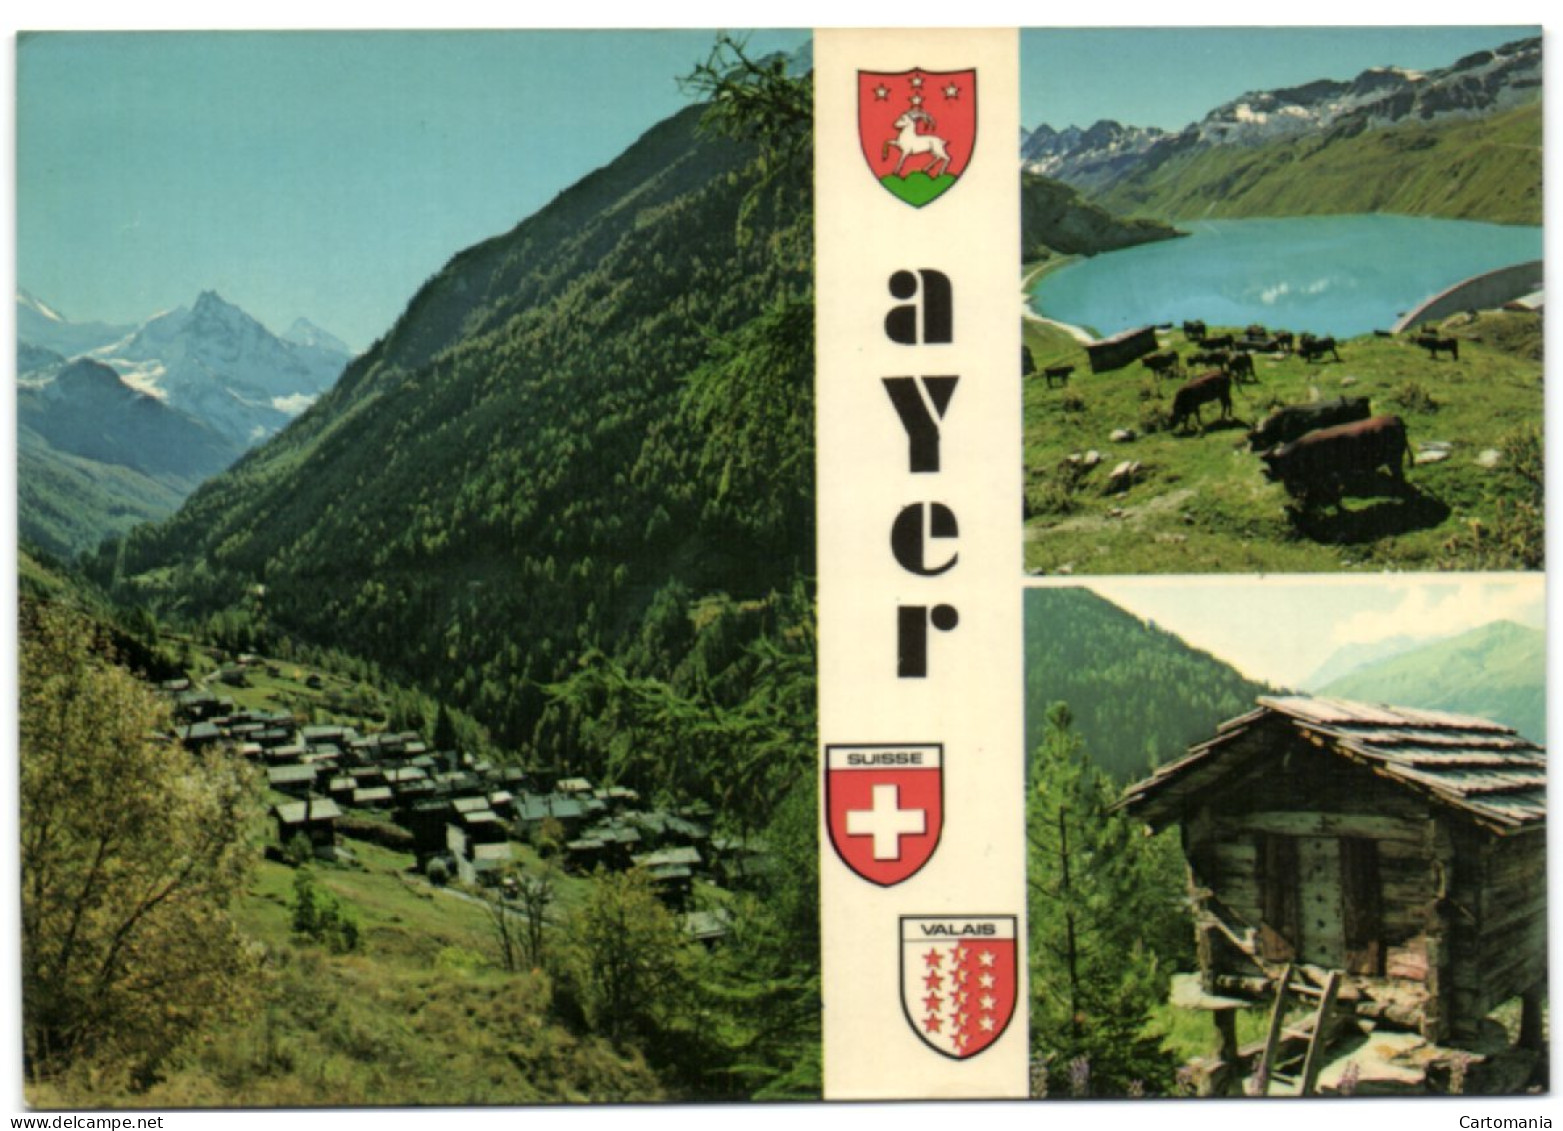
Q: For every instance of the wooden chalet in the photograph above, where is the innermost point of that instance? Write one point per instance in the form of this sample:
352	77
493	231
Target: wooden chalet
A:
1398	853
314	817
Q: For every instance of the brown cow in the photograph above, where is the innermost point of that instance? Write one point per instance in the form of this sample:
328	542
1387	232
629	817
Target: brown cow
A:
1201	390
1322	466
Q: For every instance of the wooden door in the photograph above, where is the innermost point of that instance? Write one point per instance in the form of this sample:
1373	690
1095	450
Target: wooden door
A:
1321	907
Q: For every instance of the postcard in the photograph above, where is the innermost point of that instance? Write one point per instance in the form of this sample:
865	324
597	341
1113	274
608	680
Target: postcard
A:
678	566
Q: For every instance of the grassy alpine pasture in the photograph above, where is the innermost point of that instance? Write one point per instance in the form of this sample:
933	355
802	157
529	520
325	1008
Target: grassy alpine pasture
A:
1201	504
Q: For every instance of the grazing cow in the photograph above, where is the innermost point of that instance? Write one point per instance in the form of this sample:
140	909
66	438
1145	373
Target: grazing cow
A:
1194	331
1219	342
1201	390
1322	466
1241	365
1256	331
1283	341
1162	364
1211	357
1057	375
1434	345
1311	347
1289	422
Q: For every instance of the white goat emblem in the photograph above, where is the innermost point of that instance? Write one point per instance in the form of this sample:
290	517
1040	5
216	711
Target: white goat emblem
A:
913	144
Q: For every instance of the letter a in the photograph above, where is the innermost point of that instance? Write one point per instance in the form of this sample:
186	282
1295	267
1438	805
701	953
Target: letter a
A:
931	313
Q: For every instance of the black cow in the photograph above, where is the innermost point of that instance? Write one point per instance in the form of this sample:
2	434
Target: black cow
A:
1324	465
1162	363
1434	345
1057	374
1194	331
1028	364
1211	357
1283	341
1289	422
1219	342
1311	347
1241	365
1201	390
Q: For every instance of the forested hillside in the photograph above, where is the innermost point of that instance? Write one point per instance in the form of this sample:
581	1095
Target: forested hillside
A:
577	433
1055	219
1138	696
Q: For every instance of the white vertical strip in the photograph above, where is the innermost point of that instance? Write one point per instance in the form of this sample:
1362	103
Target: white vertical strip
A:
968	706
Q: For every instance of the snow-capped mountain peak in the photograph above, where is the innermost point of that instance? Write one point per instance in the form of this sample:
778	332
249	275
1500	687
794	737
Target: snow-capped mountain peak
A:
218	363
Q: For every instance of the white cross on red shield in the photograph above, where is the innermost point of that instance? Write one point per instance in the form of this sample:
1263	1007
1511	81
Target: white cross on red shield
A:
886	807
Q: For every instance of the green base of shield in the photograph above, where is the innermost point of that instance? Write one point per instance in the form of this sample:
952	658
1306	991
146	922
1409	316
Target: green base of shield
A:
918	188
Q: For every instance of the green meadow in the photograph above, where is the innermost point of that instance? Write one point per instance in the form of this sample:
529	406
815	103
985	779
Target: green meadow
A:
1199	502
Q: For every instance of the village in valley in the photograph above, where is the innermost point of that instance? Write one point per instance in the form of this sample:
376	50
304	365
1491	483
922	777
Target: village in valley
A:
461	819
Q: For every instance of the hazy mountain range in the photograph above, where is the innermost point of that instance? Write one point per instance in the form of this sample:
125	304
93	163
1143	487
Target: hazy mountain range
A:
1128	167
1140	695
1497	671
118	424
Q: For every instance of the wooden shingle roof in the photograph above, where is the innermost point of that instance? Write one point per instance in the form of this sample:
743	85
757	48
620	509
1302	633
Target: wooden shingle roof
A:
1481	768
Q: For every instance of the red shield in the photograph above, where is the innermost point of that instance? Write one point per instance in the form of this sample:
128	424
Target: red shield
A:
917	129
958	980
886	807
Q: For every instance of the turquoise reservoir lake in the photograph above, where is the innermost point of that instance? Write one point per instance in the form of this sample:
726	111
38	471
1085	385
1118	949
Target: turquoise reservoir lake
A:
1339	275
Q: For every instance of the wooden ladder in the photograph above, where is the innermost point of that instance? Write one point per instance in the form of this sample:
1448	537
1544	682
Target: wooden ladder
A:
1316	1034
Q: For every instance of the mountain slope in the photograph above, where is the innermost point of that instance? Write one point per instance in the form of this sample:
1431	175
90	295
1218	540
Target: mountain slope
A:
1139	695
536	449
1497	671
87	410
1348	658
1054	218
95	457
1464	170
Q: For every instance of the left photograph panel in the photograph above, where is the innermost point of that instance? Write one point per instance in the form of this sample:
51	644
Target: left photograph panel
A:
415	472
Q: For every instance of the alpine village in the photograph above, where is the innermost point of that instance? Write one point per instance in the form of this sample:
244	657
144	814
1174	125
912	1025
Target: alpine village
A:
452	742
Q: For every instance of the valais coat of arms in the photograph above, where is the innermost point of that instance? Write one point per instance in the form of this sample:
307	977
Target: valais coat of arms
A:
917	129
958	981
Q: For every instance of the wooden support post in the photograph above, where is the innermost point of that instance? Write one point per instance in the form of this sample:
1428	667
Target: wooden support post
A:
1532	1035
1230	1081
1440	853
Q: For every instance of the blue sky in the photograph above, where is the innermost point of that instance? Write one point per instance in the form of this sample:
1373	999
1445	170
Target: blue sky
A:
310	173
1169	77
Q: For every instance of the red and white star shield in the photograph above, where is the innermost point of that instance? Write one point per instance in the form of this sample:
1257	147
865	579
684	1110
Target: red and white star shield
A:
958	980
917	129
886	807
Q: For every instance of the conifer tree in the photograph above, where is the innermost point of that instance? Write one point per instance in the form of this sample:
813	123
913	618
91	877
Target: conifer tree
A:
1104	920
